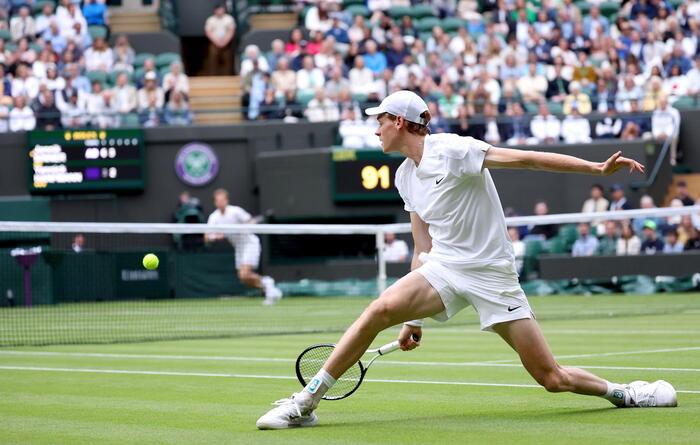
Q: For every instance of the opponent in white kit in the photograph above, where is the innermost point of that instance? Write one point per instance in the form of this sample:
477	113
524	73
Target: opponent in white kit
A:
247	246
463	257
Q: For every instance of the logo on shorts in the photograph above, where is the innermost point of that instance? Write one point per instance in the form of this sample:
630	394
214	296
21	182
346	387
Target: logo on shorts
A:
196	164
618	395
511	309
313	385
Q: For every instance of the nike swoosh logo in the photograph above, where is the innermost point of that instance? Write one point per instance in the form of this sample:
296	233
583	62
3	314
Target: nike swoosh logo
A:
511	309
438	181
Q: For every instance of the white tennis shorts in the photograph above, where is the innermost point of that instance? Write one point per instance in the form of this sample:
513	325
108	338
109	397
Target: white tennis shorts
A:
248	252
493	290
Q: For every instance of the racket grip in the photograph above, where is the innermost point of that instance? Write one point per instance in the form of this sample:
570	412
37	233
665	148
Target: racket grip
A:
393	346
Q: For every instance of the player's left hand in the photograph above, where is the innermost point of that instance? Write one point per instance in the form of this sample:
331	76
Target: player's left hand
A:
617	162
407	335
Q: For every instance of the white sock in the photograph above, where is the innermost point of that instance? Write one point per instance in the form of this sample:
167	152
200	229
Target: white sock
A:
615	393
318	386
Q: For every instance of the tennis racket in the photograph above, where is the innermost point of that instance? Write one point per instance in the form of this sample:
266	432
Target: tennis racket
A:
312	359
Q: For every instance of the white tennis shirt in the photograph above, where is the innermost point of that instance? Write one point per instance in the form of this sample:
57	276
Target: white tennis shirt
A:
452	193
233	215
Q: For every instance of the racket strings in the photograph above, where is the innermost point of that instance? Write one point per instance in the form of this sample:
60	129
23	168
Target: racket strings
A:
312	361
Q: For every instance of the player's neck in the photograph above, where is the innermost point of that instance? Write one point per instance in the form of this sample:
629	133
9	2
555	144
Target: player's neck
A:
413	148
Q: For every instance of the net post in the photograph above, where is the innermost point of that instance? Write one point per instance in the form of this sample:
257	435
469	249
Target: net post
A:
381	273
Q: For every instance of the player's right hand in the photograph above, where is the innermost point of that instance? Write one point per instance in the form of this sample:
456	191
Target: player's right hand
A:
408	335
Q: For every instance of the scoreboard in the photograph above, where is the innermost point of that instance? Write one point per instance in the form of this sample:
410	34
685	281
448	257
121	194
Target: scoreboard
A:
66	161
364	175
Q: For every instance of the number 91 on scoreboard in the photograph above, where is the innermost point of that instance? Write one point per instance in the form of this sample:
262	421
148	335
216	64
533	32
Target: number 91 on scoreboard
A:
364	175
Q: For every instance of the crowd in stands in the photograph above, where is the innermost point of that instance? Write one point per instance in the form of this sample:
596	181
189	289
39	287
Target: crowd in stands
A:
58	70
546	65
650	235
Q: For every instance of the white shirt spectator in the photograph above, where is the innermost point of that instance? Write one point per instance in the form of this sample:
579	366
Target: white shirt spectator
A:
630	246
99	60
665	121
358	133
22	27
543	128
396	252
693	77
247	66
25	87
310	79
22	119
323	110
361	80
576	129
142	98
4	115
676	86
124	98
73	115
181	82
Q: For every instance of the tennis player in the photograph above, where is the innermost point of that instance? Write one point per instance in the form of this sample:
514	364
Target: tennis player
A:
247	246
463	257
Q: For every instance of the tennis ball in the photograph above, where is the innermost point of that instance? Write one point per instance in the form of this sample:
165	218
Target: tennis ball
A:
150	261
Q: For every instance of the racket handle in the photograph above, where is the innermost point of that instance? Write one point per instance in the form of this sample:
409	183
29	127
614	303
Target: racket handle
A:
394	345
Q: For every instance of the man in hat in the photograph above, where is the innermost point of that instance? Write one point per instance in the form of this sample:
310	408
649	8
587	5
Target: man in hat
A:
462	257
619	201
652	244
682	193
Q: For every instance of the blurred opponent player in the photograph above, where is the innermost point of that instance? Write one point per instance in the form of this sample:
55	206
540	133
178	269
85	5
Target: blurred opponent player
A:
247	246
462	257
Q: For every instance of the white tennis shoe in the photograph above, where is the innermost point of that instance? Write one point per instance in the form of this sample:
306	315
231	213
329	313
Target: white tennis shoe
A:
272	293
643	394
289	413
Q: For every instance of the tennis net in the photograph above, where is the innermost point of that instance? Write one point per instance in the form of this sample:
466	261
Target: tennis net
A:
68	283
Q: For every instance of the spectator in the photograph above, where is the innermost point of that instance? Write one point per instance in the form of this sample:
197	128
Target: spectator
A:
666	123
558	86
676	84
176	80
693	242
361	78
586	244
610	127
619	201
321	108
607	245
94	103
395	250
518	248
48	115
73	112
336	83
672	245
636	125
78	243
694	77
545	128
596	202
124	95
651	243
519	127
494	133
270	108
95	12
283	79
150	90
252	55
541	231
309	78
292	108
275	54
99	57
355	132
151	115
627	92
450	102
576	99
21	116
405	68
220	29
603	97
69	16
293	47
629	243
682	193
24	84
646	202
79	35
396	53
124	54
22	25
654	92
374	60
438	124
338	30
43	20
53	82
575	129
533	86
318	17
177	110
4	118
678	58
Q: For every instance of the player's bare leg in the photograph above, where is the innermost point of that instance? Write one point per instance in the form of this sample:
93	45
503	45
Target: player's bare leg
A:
248	277
526	338
409	298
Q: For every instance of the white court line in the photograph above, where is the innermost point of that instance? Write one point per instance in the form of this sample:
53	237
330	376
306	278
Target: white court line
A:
606	354
577	331
275	377
288	360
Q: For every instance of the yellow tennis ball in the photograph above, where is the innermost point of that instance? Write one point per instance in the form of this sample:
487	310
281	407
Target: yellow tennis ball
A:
150	261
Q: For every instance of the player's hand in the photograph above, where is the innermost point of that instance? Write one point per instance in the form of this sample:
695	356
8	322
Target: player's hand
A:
617	162
408	335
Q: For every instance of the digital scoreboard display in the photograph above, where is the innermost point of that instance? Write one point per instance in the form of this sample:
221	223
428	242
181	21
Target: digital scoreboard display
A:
364	175
74	161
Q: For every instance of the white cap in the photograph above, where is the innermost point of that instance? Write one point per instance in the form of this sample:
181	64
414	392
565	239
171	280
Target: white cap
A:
402	103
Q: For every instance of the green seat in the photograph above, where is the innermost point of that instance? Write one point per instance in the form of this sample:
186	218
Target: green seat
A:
163	71
451	24
427	24
347	3
556	245
5	35
97	76
130	120
360	97
358	10
685	102
396	12
141	58
584	6
304	97
555	107
421	11
609	8
96	31
165	59
531	107
114	74
38	6
138	74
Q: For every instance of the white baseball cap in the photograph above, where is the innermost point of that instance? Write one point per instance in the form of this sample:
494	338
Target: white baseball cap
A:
404	103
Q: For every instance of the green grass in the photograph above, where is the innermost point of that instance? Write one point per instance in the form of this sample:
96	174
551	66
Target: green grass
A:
216	398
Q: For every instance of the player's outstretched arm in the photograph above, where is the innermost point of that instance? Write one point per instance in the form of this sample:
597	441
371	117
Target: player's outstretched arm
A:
498	157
